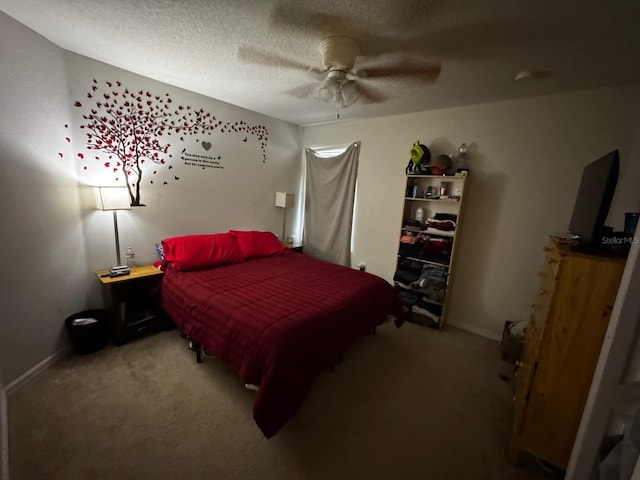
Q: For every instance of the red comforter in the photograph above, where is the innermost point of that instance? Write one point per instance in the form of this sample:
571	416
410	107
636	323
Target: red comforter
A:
278	321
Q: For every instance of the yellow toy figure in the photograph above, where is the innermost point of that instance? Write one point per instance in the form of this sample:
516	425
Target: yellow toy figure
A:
420	157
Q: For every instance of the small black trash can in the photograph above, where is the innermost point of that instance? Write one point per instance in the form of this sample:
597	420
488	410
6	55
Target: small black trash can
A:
88	330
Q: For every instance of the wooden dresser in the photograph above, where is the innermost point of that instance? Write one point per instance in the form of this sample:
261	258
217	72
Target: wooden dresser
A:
561	347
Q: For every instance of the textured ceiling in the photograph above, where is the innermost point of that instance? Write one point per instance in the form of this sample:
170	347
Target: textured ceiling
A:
481	44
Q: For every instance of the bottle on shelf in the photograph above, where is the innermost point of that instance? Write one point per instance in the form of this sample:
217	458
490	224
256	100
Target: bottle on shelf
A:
131	257
414	191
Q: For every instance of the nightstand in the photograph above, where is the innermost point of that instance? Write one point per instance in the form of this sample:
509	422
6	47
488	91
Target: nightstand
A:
296	247
130	300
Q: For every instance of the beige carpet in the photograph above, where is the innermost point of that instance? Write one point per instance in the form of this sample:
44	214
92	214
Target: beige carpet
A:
406	404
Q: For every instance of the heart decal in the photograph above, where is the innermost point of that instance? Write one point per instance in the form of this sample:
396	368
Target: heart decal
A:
206	145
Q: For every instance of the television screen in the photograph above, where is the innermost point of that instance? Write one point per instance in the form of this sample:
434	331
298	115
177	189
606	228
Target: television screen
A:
596	191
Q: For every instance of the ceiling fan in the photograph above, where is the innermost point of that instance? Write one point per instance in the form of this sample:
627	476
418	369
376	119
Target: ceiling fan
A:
346	76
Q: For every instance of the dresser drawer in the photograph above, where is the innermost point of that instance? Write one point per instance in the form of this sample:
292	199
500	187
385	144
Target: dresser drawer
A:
542	304
523	381
552	258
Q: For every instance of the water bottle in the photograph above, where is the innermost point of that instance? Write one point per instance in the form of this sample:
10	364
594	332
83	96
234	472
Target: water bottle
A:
131	258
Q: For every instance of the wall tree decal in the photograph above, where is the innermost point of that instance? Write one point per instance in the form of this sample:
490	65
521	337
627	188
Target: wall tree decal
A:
131	127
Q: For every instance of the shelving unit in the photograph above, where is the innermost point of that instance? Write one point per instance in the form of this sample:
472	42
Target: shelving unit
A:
426	255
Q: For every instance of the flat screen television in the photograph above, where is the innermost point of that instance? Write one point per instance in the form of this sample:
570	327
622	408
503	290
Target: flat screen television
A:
596	191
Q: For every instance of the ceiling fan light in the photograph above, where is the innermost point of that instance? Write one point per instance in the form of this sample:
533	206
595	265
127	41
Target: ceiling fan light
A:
327	94
349	94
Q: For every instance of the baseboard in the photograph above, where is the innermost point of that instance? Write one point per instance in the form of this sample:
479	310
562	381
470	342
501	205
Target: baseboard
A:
12	387
33	372
4	437
478	331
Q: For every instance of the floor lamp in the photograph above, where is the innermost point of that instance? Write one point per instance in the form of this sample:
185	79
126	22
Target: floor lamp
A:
284	200
114	199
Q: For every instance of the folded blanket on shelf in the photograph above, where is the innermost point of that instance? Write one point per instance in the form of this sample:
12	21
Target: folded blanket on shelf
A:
444	225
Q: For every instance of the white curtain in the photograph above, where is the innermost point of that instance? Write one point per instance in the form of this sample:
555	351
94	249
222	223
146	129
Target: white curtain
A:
329	199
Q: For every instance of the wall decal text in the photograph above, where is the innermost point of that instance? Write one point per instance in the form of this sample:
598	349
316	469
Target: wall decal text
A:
203	161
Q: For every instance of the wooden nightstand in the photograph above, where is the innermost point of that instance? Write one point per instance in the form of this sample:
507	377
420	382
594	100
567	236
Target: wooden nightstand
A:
130	299
296	247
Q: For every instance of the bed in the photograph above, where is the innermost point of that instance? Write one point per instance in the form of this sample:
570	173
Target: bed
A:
276	317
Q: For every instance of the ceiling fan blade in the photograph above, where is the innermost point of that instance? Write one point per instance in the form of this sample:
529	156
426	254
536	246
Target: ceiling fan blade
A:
369	94
260	57
303	91
423	71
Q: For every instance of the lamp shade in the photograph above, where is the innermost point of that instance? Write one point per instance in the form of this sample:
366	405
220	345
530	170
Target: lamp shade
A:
284	200
112	198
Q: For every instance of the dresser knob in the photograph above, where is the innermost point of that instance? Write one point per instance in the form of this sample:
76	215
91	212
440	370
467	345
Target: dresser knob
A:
541	292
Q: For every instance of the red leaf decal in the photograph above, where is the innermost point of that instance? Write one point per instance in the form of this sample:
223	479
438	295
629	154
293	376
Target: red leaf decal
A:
106	164
84	168
67	139
81	155
61	156
77	104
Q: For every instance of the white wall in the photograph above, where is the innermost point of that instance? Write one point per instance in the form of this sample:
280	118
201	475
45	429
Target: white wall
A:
43	256
201	200
526	160
53	238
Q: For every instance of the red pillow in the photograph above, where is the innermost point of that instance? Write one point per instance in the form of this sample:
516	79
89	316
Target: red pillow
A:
193	252
258	244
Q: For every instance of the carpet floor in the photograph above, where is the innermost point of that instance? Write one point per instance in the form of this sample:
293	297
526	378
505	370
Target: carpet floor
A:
408	403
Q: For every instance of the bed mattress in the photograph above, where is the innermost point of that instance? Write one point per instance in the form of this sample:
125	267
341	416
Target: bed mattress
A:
278	321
